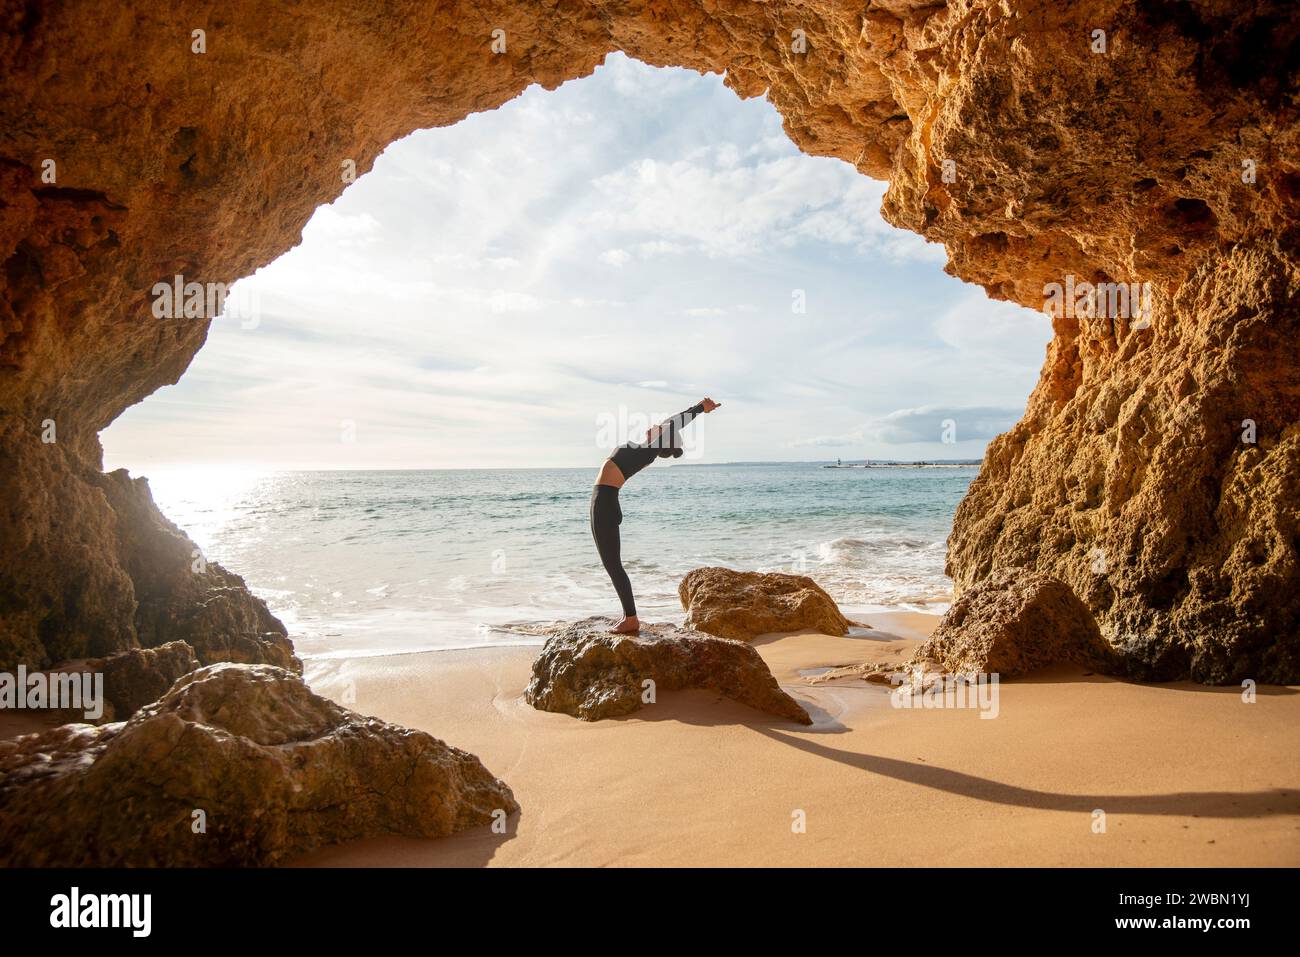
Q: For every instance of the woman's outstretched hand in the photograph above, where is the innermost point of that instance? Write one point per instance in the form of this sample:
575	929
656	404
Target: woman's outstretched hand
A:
709	405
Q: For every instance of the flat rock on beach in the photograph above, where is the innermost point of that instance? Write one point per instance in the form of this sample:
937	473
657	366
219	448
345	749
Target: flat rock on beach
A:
587	671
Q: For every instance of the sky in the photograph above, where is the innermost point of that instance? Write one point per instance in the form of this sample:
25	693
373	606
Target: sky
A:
535	284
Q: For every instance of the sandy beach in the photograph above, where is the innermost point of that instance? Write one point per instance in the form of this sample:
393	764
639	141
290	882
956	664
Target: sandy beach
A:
1186	774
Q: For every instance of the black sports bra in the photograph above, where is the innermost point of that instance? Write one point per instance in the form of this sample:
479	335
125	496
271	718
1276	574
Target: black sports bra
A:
632	457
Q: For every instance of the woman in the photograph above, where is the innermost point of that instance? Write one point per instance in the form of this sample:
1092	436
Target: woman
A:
662	441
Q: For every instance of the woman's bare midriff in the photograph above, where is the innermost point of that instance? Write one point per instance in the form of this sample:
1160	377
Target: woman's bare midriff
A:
610	475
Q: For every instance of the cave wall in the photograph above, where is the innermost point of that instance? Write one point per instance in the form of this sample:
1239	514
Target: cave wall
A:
1138	490
1121	165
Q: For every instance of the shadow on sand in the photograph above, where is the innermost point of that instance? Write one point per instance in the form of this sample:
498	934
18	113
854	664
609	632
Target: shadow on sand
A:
1225	804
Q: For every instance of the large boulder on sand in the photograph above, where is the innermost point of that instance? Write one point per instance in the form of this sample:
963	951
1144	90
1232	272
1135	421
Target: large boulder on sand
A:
744	605
588	672
235	765
1013	622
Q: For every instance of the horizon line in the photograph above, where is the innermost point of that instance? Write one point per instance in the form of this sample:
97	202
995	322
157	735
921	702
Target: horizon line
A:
253	467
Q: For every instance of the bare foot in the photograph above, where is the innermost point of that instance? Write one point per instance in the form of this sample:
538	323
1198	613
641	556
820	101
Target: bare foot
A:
627	626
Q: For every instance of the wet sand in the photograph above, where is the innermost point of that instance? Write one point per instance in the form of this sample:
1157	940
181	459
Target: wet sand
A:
1185	774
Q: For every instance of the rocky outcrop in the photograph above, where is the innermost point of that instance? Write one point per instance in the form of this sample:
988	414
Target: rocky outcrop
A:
1041	141
92	568
180	595
129	680
1014	622
586	671
1164	487
135	678
236	765
744	605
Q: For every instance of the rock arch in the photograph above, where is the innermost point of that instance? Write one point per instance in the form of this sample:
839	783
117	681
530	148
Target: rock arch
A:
1125	164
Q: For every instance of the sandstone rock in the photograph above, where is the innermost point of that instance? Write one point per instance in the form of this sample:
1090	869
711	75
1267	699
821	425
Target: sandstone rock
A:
1138	487
744	605
275	769
180	595
1168	157
586	671
142	582
130	680
141	676
1014	622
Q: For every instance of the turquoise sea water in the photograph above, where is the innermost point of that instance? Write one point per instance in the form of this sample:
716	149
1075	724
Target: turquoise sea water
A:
372	562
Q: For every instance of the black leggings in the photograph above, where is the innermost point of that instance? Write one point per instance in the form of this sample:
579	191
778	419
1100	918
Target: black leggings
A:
606	516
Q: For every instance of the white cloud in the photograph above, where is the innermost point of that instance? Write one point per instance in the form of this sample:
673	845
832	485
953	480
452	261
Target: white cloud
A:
923	425
711	203
330	226
659	247
929	423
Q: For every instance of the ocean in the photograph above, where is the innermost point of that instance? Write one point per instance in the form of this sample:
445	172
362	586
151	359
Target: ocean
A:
380	562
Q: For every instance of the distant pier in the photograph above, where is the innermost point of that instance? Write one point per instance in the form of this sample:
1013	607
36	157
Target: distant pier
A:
906	465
